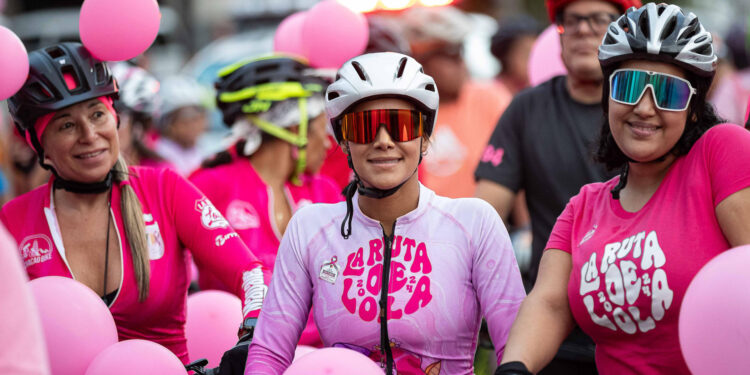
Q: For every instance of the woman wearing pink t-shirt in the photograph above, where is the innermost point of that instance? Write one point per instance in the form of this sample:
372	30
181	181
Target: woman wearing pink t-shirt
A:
119	230
622	254
274	106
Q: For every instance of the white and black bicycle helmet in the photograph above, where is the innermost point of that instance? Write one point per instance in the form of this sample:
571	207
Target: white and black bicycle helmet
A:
380	75
138	88
660	32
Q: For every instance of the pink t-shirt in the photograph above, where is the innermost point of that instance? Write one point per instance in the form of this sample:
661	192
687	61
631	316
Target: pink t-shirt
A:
451	264
176	215
246	201
630	270
22	348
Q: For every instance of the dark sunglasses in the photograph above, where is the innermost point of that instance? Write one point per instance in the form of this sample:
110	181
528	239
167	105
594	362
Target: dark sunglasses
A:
401	124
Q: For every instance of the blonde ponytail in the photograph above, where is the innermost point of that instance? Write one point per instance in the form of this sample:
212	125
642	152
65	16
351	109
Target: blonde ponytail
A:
135	229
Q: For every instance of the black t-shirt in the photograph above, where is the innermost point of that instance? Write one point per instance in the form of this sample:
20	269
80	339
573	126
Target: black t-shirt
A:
544	144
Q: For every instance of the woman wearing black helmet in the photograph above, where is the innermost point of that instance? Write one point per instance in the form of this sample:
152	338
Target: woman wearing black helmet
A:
623	252
274	106
119	230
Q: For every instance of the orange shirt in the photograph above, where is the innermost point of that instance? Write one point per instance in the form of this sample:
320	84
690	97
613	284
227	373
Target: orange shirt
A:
461	133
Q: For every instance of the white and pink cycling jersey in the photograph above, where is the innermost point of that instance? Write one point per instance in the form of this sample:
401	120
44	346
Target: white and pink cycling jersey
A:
176	215
451	264
247	202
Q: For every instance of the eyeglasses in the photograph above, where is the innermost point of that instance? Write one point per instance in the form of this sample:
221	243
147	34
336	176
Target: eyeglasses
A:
598	22
627	86
401	124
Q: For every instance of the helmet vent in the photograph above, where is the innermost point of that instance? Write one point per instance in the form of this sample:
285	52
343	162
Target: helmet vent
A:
401	67
70	77
38	92
608	39
644	25
359	70
692	28
263	69
430	87
624	25
100	73
333	95
668	28
705	50
55	52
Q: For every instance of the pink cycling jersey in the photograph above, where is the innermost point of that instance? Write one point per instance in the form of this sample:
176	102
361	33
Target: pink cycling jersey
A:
176	215
451	264
630	270
247	202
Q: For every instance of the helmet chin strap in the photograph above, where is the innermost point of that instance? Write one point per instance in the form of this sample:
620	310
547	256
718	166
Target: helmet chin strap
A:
370	192
68	185
624	175
83	188
373	192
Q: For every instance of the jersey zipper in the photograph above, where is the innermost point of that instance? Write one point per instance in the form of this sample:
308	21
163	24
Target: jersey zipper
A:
385	341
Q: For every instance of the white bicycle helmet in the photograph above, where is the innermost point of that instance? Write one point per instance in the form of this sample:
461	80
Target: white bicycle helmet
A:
446	24
178	92
663	33
378	75
138	88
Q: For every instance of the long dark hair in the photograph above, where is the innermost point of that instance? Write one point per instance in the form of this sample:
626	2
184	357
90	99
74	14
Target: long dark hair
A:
701	117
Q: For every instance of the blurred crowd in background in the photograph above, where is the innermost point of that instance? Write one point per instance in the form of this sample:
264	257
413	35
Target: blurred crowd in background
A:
476	50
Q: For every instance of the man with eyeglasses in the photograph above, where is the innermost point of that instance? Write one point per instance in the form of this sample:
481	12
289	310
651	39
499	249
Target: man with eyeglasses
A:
543	144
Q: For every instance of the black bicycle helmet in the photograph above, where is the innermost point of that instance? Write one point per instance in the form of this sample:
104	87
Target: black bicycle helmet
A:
248	87
660	32
47	91
511	29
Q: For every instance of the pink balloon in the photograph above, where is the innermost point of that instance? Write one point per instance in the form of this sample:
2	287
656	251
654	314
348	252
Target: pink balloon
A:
334	361
545	61
747	111
136	357
333	34
77	325
288	36
714	327
14	63
116	30
302	350
213	318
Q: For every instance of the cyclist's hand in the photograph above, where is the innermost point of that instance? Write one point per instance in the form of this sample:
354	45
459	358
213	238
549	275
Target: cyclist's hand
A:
512	368
233	361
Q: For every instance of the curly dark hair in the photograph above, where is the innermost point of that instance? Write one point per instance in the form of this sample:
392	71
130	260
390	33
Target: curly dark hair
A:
701	117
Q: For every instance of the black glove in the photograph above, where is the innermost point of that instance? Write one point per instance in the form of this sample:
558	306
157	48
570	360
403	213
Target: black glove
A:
513	368
233	361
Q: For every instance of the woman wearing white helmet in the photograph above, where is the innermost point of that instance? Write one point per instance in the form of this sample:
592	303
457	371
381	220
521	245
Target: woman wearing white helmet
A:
181	118
397	273
623	252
